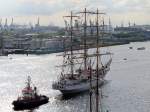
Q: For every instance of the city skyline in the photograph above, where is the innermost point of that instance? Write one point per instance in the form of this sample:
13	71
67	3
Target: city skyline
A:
51	11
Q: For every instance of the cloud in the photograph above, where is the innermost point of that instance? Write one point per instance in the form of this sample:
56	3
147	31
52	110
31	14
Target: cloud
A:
50	7
131	5
47	7
55	8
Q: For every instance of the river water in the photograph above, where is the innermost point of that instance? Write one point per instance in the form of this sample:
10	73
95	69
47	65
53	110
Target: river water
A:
127	88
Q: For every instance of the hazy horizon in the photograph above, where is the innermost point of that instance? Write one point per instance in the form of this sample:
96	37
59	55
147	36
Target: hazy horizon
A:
51	11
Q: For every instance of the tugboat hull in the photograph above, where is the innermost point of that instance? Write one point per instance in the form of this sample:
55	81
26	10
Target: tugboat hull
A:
28	104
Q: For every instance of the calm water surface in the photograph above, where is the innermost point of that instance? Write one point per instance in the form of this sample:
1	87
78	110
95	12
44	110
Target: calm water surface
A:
127	90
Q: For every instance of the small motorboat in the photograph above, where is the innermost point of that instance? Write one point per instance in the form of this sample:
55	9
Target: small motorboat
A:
141	48
125	59
29	99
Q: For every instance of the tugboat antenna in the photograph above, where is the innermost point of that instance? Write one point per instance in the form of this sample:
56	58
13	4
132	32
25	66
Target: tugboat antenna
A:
28	81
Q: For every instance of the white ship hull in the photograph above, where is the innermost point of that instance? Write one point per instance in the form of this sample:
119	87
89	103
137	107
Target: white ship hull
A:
70	86
82	87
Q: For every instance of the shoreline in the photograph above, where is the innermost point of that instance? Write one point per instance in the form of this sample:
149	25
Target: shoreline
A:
42	52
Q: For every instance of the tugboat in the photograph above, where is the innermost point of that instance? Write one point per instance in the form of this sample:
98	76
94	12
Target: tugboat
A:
29	99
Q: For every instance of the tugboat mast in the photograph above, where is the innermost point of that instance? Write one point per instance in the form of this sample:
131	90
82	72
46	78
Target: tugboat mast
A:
28	82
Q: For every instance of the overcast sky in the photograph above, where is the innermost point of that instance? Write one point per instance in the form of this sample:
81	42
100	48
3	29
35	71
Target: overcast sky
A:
51	11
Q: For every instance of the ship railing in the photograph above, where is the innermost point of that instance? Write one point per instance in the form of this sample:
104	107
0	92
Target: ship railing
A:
58	85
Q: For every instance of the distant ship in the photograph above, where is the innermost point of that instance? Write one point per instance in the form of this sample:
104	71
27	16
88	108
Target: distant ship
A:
30	98
141	48
76	68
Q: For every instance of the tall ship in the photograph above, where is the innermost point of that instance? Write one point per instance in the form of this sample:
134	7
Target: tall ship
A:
80	62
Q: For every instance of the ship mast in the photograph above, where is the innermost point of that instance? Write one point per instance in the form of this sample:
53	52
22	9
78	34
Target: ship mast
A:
71	42
85	36
97	58
97	13
91	92
97	65
71	47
